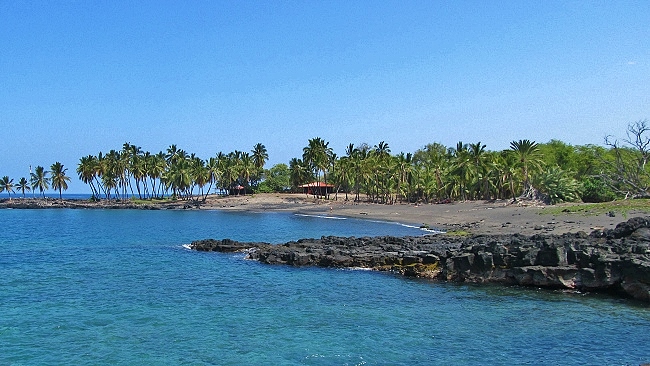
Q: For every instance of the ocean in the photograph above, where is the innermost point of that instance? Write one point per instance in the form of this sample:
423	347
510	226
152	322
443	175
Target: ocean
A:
89	287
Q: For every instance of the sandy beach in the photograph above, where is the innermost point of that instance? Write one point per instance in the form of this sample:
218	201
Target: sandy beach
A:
475	217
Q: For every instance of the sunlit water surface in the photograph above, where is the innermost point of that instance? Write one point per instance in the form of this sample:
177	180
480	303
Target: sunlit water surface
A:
89	287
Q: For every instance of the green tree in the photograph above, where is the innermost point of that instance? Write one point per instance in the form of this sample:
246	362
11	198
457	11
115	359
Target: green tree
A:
558	153
40	180
480	177
277	179
529	159
246	170
7	185
87	170
259	156
299	173
461	169
23	185
59	179
594	189
318	156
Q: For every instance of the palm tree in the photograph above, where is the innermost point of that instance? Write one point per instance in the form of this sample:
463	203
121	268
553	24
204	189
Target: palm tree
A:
404	166
529	156
23	185
59	179
342	174
259	156
381	157
245	169
200	174
178	178
318	156
87	169
461	168
212	167
7	184
299	173
40	180
478	156
138	169
437	161
157	167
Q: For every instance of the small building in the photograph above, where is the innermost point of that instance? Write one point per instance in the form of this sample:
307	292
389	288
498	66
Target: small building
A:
236	188
317	188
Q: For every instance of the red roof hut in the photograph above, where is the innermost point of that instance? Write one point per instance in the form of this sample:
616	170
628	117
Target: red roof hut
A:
317	188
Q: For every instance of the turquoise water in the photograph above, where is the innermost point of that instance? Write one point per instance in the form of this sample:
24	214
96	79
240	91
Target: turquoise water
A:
89	287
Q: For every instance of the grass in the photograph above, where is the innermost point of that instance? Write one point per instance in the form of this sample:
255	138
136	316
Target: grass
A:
622	207
458	233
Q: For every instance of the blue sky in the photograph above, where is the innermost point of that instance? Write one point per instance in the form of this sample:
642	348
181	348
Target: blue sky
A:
80	77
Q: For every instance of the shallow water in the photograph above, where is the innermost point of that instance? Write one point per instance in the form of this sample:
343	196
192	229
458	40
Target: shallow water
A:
117	287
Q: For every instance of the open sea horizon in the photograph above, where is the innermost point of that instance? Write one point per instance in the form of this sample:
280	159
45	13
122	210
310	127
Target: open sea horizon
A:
92	286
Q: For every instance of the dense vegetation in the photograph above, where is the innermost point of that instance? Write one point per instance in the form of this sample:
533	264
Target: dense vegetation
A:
553	172
131	171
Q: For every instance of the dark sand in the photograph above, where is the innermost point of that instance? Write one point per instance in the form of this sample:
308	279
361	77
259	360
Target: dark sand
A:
475	217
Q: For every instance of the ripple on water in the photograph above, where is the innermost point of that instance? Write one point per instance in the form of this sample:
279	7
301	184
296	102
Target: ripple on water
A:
117	287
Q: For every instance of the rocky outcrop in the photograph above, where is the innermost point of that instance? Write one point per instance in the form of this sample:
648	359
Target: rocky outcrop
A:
47	203
616	261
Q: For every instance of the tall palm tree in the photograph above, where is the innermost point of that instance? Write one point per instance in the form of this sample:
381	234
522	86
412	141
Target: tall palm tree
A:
259	156
381	157
157	167
529	157
478	156
299	173
59	179
404	166
461	168
40	180
87	171
23	185
246	169
199	173
178	178
212	167
319	156
342	174
138	171
7	184
437	159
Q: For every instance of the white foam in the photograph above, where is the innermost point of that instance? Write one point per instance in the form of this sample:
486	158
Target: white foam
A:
323	217
432	231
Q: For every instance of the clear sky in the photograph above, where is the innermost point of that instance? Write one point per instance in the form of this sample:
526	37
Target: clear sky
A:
80	77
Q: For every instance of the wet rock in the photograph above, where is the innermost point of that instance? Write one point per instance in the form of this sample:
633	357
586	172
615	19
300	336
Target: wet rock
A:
613	261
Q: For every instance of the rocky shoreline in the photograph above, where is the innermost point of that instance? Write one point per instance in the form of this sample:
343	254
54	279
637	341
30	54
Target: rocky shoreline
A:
46	203
614	261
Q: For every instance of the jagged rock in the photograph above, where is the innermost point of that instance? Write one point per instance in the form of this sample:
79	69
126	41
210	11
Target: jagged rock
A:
613	261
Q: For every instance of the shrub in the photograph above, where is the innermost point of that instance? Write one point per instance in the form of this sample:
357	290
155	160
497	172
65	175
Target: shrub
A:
595	190
558	185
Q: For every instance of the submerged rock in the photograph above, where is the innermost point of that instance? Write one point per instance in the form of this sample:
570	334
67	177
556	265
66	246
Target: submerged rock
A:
616	261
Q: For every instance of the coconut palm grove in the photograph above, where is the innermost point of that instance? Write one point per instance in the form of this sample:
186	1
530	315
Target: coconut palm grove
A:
552	172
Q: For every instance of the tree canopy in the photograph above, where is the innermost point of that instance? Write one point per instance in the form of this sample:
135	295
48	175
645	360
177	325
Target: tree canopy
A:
555	171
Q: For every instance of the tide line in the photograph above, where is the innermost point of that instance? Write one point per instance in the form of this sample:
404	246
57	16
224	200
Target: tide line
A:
323	217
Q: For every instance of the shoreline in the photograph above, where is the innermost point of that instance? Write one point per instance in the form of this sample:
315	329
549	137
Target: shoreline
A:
470	217
612	261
